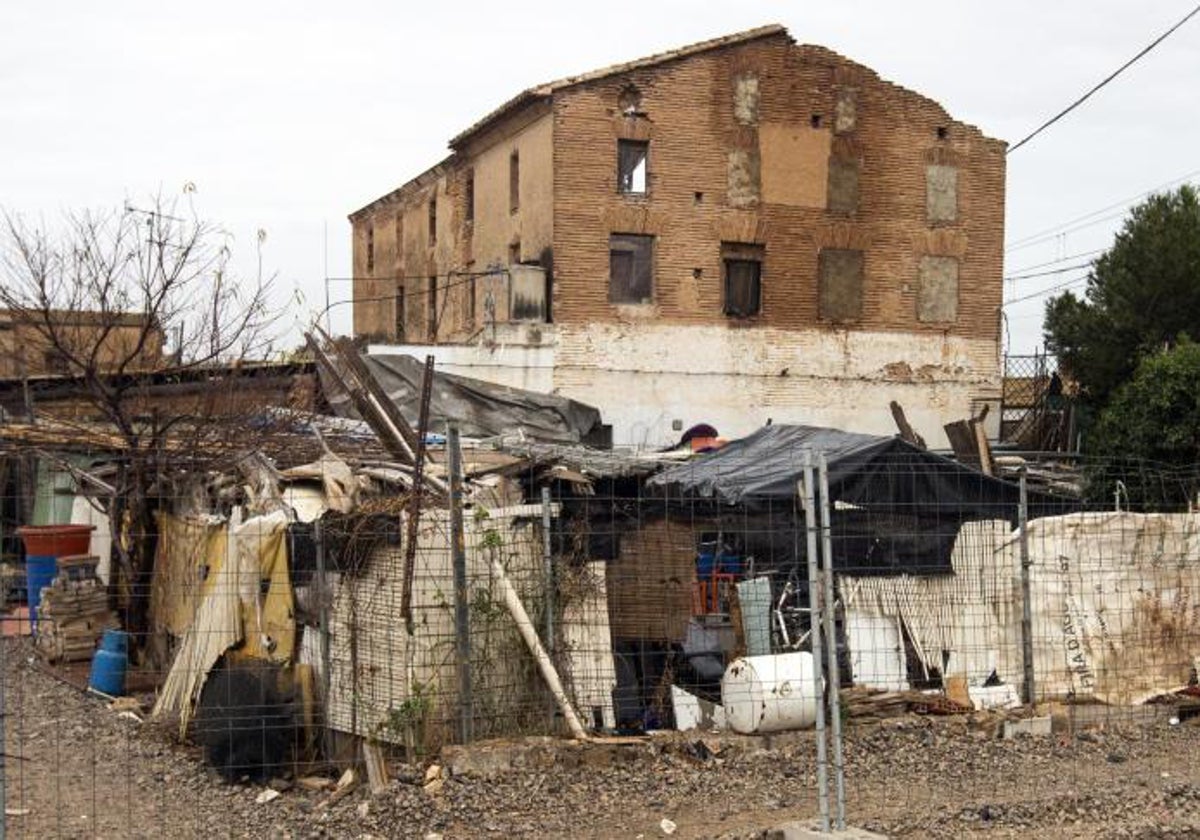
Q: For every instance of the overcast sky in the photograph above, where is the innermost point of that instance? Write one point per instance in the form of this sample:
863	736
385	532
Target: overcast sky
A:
287	116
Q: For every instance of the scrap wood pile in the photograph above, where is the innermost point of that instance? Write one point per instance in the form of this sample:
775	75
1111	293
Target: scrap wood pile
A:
72	616
868	705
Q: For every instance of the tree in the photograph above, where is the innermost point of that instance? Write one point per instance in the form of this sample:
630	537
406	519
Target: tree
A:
1142	294
100	295
1148	436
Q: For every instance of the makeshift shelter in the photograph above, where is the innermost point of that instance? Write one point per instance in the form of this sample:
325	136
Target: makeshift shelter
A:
897	507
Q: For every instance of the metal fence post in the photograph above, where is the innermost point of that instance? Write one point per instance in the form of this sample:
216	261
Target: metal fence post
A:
548	586
323	604
548	569
3	739
814	595
1026	596
462	616
835	705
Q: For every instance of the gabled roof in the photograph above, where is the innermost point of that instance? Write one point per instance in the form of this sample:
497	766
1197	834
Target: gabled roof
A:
533	94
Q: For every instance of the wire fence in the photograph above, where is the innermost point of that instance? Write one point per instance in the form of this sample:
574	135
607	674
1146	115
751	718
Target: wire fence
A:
287	632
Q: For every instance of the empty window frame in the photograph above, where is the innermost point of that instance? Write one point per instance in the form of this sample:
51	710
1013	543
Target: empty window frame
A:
433	221
370	249
469	196
632	158
514	182
741	267
433	308
631	268
400	313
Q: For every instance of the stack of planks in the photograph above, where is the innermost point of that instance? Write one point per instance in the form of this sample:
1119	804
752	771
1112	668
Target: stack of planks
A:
71	618
868	705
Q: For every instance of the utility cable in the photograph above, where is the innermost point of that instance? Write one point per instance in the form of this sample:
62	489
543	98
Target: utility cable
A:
1060	229
1104	82
1048	290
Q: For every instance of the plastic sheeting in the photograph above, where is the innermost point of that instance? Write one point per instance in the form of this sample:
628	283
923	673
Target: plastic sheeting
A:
864	470
481	409
897	508
1113	599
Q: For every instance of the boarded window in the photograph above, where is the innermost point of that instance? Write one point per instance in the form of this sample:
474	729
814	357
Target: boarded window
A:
433	309
433	221
632	156
514	183
370	250
631	274
845	111
744	177
840	285
937	290
742	268
843	186
400	313
469	197
941	194
54	361
745	99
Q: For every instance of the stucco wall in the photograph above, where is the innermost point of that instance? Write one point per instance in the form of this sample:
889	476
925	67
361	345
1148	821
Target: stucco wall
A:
405	253
643	382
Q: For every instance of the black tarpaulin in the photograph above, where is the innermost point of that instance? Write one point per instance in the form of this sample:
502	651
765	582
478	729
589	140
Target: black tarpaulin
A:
863	470
896	507
481	409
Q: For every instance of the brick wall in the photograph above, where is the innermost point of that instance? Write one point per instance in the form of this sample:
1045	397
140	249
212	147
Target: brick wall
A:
741	145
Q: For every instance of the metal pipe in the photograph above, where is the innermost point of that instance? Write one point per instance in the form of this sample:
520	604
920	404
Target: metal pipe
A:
810	526
548	569
462	617
835	708
1026	593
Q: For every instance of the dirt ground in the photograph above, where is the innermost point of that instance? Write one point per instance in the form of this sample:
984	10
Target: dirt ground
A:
75	768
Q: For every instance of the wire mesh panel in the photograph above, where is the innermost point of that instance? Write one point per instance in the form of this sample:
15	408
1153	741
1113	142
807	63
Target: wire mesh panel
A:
664	606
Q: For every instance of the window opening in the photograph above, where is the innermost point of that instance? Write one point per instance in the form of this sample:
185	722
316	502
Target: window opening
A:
631	276
632	156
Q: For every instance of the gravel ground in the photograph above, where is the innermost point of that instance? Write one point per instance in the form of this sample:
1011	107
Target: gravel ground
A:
77	769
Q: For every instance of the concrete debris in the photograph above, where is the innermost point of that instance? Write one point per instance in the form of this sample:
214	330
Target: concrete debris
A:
267	796
1035	726
668	826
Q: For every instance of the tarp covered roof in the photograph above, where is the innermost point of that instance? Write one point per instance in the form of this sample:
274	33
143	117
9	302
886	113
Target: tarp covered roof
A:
897	508
866	470
481	409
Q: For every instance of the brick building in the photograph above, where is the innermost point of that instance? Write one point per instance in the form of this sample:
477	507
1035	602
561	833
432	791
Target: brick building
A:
737	230
112	338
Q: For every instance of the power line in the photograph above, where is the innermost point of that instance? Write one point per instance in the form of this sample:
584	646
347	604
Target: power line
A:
1057	261
1050	272
1073	225
1104	82
1048	290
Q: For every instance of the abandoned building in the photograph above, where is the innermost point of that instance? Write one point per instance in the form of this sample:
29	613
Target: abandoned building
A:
113	336
741	230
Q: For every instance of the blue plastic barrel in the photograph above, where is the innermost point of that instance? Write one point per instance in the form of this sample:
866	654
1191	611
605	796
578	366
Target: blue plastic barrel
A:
110	662
40	570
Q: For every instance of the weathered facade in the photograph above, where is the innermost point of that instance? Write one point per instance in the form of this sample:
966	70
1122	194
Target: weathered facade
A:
738	230
113	337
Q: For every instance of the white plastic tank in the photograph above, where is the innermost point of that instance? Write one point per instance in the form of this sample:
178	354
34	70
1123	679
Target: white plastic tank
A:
770	693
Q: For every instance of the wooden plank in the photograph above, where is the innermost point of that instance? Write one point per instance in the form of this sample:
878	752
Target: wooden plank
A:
907	432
